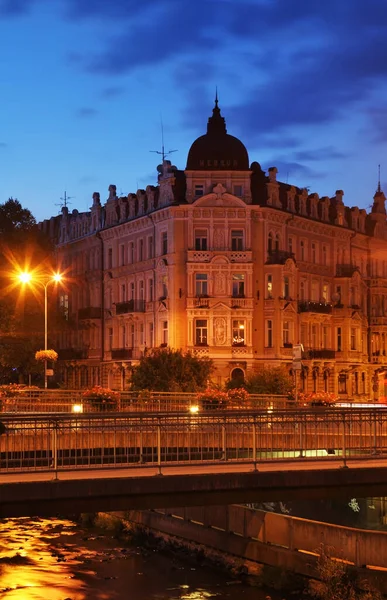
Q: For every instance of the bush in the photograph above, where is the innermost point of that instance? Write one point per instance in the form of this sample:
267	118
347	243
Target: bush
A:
317	398
102	399
238	398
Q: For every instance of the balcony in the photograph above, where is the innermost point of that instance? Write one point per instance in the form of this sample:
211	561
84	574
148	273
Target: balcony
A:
130	306
234	256
122	353
73	353
90	312
278	257
202	302
345	270
238	302
315	307
324	354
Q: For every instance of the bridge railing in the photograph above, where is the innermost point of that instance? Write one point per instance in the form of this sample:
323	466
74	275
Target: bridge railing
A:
67	401
147	439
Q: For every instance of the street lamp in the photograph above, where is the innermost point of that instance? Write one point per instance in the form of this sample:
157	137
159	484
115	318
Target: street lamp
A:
28	278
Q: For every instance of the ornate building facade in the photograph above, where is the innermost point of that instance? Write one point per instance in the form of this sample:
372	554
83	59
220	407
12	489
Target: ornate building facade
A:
226	261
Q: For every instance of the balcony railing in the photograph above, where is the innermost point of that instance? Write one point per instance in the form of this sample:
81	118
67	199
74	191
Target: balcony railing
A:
238	302
278	257
73	353
130	306
202	302
89	312
316	307
345	270
323	353
122	353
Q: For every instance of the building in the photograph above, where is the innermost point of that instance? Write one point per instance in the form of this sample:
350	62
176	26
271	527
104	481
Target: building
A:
226	261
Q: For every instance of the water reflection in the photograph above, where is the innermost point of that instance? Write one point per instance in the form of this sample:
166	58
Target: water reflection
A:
55	559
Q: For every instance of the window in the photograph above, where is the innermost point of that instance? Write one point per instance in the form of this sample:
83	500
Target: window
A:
363	382
277	242
122	255
132	333
342	383
201	284
164	243
141	290
314	254
325	333
164	287
123	336
150	247
131	290
290	245
339	347
353	338
304	335
64	305
324	255
315	290
236	239
238	285
201	332
150	290
302	250
238	332
151	335
201	239
165	333
123	292
238	190
199	190
269	333
286	287
269	286
110	258
325	292
270	243
314	336
286	334
141	249
110	338
131	252
302	290
141	334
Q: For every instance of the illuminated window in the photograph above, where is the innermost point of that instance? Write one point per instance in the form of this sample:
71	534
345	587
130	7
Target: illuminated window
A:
269	286
325	292
238	285
201	284
238	333
201	332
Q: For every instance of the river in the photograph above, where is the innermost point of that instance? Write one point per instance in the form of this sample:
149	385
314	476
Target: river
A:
57	559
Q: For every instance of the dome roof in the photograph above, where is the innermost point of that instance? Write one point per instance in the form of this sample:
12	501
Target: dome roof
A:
217	149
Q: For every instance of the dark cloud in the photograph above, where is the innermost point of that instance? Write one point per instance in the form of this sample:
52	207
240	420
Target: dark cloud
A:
86	112
12	8
328	152
112	92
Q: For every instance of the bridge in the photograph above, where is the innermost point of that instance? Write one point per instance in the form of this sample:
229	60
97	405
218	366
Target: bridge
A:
63	463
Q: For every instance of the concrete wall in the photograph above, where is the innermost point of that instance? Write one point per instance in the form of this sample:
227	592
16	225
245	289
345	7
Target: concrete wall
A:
277	540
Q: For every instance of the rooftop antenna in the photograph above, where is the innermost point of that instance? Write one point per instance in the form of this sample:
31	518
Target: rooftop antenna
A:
163	154
65	200
379	188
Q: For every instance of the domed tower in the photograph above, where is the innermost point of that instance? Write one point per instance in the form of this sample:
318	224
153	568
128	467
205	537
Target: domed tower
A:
217	158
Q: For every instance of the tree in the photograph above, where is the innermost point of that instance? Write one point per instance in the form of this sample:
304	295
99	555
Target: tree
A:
13	217
167	370
274	380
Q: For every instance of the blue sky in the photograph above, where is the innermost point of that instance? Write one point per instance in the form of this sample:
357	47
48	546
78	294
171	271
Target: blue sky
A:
86	83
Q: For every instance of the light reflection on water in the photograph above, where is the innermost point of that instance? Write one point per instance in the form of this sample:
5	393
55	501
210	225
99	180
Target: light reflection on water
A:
56	559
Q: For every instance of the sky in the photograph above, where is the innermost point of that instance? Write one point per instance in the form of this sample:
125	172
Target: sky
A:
88	86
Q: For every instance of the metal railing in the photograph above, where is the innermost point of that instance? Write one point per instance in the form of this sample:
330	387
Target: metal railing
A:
55	401
115	440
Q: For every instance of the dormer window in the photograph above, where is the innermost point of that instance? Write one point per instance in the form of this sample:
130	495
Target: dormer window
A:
199	190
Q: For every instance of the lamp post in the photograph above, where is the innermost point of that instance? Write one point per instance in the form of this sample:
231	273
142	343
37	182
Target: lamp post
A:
28	278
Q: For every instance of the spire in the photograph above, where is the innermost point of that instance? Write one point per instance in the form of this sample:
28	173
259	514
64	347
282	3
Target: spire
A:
379	188
216	124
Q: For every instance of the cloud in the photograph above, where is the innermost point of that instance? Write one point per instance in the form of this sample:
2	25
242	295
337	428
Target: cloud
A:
288	170
86	112
112	92
327	152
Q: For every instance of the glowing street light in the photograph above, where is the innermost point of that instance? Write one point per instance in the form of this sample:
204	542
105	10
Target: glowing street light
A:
25	278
